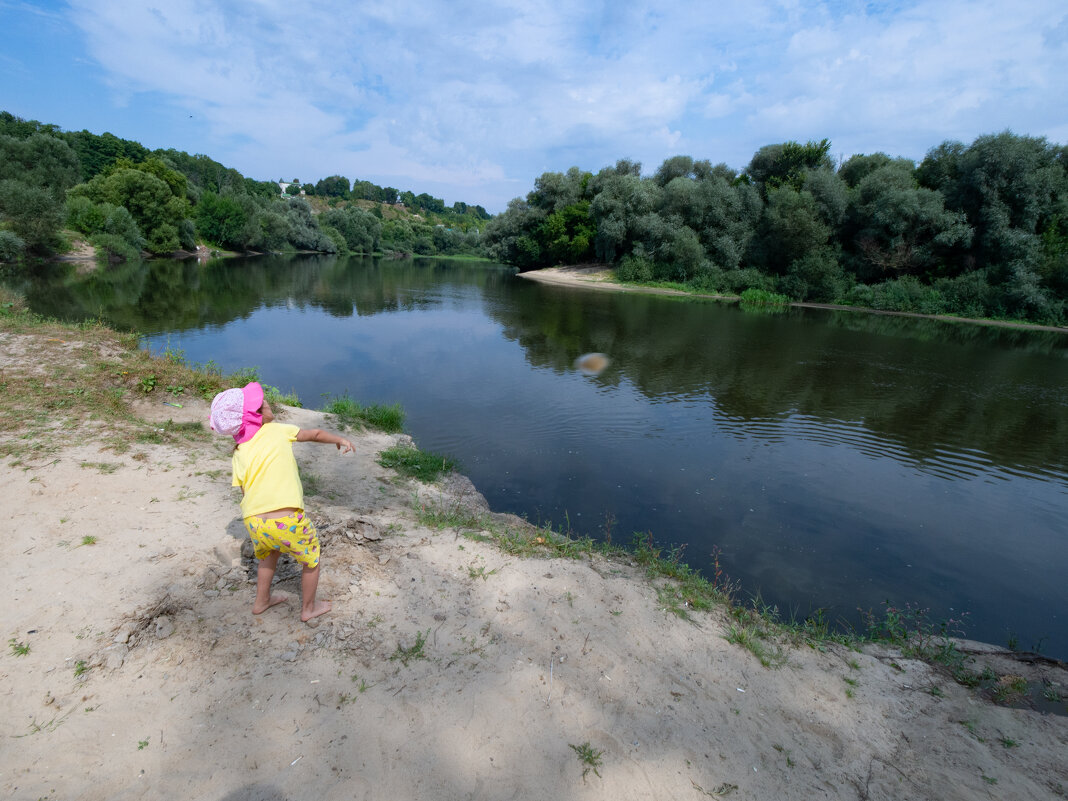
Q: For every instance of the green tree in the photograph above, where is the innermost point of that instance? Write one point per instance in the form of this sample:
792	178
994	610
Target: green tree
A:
32	213
785	165
221	219
334	186
897	227
157	211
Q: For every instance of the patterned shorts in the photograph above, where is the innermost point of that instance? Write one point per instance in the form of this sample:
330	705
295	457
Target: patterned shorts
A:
293	534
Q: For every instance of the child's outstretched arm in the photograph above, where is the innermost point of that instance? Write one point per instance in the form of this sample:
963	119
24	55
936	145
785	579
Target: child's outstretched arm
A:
318	435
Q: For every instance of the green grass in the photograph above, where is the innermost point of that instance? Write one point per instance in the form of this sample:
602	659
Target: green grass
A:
18	648
80	668
425	466
589	757
101	467
413	651
761	298
353	414
94	373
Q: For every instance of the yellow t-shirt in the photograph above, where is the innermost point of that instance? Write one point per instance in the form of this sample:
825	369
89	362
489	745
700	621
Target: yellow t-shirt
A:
267	470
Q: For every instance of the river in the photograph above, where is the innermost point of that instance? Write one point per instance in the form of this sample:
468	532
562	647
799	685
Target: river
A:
835	460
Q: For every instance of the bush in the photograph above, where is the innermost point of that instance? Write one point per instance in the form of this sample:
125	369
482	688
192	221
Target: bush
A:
815	277
909	295
635	268
968	295
737	281
113	247
11	246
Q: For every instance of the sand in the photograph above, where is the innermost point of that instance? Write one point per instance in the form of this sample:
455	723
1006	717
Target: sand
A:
446	670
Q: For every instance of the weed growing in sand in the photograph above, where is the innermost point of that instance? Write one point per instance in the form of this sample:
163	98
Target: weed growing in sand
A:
480	572
142	745
1008	742
311	482
589	757
989	779
971	727
352	414
722	791
916	635
785	752
47	727
414	651
753	632
18	648
425	466
88	539
81	667
103	467
1009	688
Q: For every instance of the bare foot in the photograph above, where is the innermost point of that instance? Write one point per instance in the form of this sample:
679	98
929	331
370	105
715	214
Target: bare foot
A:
275	599
320	608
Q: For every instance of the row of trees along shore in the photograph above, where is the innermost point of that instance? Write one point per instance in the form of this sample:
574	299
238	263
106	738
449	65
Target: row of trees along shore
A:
977	230
127	199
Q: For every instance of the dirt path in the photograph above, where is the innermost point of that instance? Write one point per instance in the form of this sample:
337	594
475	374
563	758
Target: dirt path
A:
448	669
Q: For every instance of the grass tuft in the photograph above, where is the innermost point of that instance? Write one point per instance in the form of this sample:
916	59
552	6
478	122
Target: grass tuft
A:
413	651
425	466
353	414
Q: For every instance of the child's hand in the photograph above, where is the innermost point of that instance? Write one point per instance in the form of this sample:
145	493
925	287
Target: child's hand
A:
345	446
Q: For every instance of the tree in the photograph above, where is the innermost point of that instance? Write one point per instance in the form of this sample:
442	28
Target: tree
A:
897	227
39	160
157	211
33	214
790	229
222	220
334	186
784	165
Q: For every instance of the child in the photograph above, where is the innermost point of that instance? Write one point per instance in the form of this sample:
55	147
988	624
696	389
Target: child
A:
273	498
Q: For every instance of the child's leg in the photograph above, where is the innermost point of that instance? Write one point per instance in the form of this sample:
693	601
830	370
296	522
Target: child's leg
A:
309	607
264	575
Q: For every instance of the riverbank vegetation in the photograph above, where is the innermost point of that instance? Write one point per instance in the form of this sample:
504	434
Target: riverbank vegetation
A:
978	230
125	200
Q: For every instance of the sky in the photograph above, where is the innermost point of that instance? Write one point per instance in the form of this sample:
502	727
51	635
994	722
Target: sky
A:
473	101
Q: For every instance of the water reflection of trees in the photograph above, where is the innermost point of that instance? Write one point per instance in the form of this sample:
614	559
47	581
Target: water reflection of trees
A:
924	385
171	295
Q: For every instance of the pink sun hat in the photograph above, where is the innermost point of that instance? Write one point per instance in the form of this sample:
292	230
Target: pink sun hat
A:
236	412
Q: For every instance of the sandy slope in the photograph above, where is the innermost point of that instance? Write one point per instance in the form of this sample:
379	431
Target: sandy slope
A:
188	696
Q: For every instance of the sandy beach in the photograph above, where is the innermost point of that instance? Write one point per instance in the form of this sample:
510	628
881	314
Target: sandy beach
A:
448	669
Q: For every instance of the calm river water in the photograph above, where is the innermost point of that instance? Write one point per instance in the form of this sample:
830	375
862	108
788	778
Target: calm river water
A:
838	460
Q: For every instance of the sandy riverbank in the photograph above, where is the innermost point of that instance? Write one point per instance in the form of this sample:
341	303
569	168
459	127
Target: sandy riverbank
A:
147	677
602	277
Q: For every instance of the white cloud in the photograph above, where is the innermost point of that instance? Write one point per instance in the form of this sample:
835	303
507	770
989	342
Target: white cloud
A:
465	93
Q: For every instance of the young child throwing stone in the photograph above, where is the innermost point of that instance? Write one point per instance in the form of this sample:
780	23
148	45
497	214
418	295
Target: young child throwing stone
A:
273	498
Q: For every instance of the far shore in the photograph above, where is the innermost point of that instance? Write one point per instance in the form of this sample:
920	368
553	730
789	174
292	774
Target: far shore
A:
602	277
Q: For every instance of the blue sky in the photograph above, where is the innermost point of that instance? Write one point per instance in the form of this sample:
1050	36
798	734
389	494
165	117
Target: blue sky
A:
473	101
